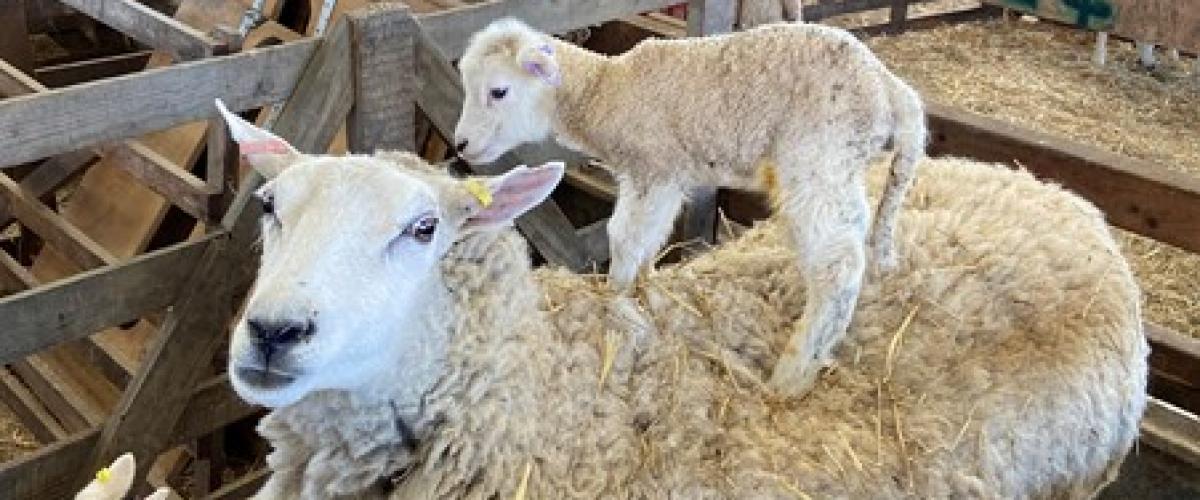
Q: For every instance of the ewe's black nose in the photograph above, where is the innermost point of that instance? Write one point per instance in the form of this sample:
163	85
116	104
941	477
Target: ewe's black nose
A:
273	334
461	146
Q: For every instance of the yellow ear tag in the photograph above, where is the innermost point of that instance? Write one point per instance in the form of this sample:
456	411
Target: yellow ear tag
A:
480	191
103	475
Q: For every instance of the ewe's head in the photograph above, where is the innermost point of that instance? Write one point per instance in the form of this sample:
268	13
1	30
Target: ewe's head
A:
350	279
509	74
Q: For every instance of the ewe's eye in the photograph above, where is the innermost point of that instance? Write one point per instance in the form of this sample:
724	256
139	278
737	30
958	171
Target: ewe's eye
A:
499	93
422	229
268	203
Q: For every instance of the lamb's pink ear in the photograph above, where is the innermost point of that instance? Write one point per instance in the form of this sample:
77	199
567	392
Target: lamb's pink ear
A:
266	152
513	193
539	61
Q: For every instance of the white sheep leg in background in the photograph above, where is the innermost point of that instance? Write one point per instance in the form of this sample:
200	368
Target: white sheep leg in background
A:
1100	56
1146	54
828	221
641	223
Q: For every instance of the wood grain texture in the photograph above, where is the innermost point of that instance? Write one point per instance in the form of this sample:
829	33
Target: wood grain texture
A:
62	75
384	112
47	123
52	228
450	29
1142	197
46	316
157	172
149	27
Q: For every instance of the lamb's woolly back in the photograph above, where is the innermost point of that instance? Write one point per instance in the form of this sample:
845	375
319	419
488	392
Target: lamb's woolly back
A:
1004	359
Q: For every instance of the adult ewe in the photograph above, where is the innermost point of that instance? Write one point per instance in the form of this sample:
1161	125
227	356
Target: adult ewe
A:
403	340
670	115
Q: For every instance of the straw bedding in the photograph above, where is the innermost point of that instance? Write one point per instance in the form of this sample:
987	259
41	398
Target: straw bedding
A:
1041	76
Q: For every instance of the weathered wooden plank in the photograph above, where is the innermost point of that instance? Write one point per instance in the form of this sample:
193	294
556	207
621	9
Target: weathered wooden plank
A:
51	227
62	75
825	10
1172	430
329	75
149	27
15	276
449	30
384	112
35	126
39	318
49	472
28	409
1136	195
243	487
1175	367
154	170
14	82
546	227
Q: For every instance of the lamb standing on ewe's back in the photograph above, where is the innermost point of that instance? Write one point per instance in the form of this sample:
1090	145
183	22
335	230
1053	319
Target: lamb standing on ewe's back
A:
670	115
409	350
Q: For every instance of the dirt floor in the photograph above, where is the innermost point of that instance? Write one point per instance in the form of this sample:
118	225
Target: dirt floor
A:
1041	76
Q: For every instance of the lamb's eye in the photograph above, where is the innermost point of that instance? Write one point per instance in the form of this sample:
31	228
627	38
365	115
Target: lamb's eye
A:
499	93
422	229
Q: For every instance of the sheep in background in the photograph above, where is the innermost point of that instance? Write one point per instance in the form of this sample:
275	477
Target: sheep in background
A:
670	115
409	350
113	482
754	13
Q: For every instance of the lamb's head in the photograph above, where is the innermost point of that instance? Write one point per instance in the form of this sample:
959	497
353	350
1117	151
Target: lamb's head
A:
509	75
349	294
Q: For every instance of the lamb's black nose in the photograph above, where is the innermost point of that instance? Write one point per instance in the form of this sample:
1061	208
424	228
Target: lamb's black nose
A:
461	146
272	335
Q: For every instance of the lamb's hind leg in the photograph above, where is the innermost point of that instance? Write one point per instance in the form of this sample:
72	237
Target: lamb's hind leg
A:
641	222
829	225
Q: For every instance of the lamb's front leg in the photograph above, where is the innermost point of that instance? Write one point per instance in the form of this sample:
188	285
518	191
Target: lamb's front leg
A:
829	225
641	222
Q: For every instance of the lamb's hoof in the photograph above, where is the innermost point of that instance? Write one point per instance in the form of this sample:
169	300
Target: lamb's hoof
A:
793	382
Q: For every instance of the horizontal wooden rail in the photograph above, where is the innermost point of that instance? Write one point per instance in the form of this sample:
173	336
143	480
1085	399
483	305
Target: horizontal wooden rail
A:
62	236
48	123
149	27
813	13
451	29
49	315
51	471
1142	197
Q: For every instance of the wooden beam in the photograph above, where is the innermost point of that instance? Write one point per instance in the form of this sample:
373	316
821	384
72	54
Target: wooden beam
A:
244	487
825	10
28	409
1172	430
158	395
385	84
154	170
1145	198
47	123
1174	367
149	27
39	318
62	75
50	471
450	30
60	234
545	226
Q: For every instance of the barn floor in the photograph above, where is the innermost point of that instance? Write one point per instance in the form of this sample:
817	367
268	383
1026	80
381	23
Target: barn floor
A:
1041	76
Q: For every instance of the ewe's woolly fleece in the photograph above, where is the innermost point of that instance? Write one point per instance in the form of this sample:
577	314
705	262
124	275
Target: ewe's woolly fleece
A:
1021	374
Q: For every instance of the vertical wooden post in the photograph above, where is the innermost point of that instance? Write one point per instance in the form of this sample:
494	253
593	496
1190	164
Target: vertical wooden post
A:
385	85
706	17
899	17
222	169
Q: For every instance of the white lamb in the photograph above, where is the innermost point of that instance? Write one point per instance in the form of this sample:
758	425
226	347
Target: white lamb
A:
409	351
113	482
670	115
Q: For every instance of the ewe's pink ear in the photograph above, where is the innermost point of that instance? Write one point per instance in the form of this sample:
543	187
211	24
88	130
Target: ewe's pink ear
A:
264	151
514	193
539	62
